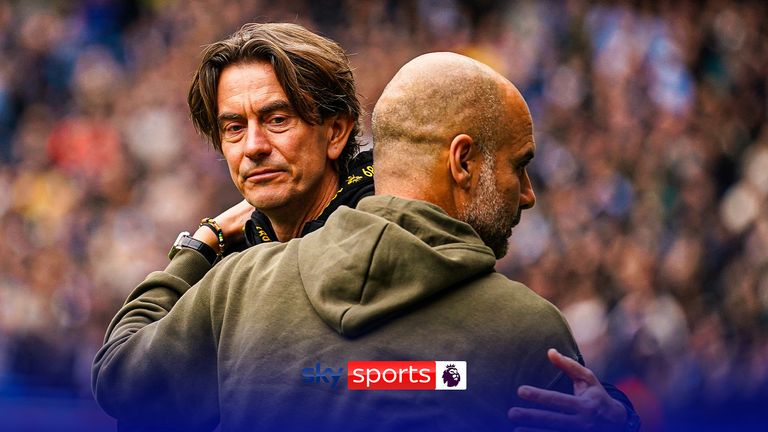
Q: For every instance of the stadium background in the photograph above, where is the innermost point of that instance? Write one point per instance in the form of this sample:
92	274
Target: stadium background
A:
651	226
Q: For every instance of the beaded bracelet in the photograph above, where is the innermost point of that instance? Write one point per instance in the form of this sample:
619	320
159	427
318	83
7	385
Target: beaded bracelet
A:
216	228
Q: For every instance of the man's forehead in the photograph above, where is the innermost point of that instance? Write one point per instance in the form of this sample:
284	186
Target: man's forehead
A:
516	151
241	70
253	83
517	134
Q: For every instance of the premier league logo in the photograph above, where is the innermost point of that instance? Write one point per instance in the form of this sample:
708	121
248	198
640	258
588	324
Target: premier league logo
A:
451	376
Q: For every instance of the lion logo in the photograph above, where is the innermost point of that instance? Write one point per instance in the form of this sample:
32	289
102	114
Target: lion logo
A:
451	376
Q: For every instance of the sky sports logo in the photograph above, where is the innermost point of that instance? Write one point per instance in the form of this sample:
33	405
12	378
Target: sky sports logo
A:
392	375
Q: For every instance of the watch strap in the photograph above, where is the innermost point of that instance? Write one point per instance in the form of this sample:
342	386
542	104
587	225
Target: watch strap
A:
184	240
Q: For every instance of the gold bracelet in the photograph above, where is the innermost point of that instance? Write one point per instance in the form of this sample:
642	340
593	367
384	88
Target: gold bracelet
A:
216	228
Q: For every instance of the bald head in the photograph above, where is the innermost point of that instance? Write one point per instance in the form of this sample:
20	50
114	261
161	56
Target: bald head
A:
434	98
431	99
451	131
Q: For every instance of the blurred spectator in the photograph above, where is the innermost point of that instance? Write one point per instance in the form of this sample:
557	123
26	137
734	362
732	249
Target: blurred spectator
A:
650	232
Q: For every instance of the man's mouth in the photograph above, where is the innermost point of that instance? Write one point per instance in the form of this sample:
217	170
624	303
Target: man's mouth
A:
262	175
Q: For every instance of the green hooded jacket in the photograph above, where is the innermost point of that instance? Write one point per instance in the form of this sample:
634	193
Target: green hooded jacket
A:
394	279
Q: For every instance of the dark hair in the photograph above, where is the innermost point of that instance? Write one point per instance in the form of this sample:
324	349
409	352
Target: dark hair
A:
313	71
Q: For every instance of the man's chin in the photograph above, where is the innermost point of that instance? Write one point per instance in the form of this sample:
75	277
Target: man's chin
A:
266	202
500	250
499	245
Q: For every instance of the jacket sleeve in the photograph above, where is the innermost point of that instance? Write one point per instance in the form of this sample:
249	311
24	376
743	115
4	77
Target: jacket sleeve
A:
157	368
633	419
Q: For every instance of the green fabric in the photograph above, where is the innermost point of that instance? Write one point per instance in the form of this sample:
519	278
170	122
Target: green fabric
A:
349	270
392	280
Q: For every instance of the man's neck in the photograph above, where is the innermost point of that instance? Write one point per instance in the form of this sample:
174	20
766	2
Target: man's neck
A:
289	221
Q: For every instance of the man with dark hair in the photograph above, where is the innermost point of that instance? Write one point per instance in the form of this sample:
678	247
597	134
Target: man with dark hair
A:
279	102
229	348
312	70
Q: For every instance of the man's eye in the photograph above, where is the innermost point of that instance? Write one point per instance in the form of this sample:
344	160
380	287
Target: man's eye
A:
233	128
278	120
279	123
522	166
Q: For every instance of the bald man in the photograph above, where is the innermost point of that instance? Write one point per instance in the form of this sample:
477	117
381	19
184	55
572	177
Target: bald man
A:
263	340
438	135
481	179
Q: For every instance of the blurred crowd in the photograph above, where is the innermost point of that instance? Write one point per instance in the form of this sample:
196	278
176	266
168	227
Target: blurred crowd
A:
651	225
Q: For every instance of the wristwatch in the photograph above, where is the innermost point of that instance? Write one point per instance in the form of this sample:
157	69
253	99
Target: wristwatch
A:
184	240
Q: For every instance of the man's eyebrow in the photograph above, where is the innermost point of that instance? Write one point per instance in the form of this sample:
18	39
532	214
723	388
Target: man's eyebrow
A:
223	117
527	156
279	105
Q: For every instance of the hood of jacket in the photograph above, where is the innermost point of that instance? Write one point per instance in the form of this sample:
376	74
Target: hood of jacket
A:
374	263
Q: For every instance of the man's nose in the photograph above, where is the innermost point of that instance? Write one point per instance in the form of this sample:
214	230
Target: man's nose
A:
527	195
257	143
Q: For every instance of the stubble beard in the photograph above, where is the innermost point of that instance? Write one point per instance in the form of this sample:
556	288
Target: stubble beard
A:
488	213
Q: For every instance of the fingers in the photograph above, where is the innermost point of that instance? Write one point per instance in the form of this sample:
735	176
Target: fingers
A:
571	367
245	207
233	219
552	399
589	408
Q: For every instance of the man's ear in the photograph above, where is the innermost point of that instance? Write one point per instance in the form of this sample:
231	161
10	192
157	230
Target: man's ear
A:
339	128
463	160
